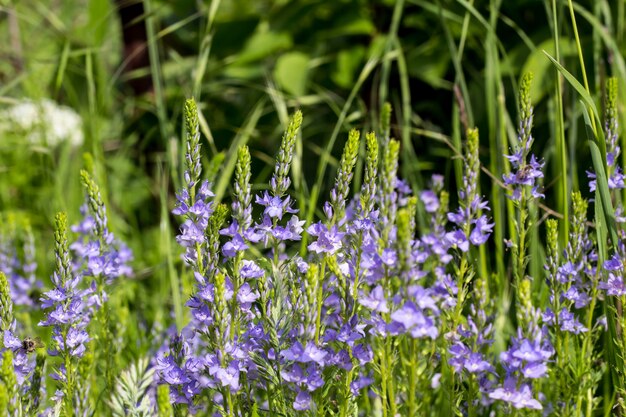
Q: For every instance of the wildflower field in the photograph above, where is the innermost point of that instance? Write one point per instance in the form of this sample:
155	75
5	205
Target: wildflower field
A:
309	208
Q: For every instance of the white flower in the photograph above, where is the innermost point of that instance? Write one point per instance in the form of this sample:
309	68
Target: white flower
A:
44	122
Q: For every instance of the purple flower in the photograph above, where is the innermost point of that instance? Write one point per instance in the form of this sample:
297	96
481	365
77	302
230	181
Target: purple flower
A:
328	240
275	206
363	354
458	239
414	321
518	398
229	377
475	363
613	286
613	264
302	401
430	200
249	269
246	296
375	300
481	232
360	383
236	244
310	353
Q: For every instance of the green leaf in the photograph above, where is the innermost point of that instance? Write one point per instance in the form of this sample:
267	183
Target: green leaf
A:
291	72
262	44
348	63
577	85
607	220
537	64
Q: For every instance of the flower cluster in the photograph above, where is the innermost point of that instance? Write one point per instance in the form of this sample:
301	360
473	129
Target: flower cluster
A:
572	281
43	122
525	172
615	175
527	358
382	303
68	316
97	252
20	267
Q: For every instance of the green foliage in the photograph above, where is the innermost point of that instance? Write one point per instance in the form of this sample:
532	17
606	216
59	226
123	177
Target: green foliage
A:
130	396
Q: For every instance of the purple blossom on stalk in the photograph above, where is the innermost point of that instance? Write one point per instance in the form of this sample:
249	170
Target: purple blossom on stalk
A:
20	270
470	346
615	175
472	226
527	357
97	252
519	397
524	172
275	206
275	202
22	366
412	320
329	240
571	281
68	315
302	401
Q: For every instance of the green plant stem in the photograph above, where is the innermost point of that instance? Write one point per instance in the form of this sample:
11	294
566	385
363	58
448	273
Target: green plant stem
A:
412	411
155	70
319	301
581	59
384	376
561	150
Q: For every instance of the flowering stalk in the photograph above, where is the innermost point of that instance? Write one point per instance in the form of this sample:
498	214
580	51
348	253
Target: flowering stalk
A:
472	229
9	380
242	207
6	307
387	219
339	193
525	175
163	402
68	317
34	390
468	215
280	180
338	196
98	269
4	400
366	205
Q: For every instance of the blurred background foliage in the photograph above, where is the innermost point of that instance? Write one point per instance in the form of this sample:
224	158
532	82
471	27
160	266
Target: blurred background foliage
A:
444	65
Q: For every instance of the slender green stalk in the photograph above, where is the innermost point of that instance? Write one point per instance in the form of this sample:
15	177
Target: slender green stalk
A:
561	149
157	81
581	59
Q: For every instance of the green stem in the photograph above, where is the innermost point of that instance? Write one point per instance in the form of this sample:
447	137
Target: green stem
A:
384	376
319	301
581	59
563	204
412	378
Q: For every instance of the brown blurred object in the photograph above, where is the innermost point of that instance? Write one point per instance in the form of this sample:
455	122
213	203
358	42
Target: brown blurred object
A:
132	16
